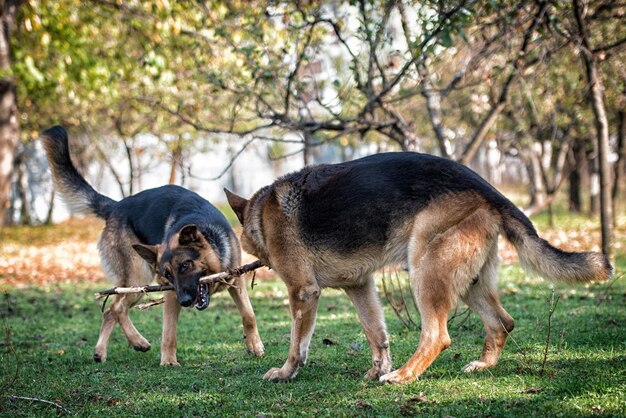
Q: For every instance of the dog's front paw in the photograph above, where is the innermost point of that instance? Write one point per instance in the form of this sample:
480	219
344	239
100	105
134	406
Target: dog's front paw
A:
379	368
474	366
169	362
374	373
99	357
258	349
398	376
276	374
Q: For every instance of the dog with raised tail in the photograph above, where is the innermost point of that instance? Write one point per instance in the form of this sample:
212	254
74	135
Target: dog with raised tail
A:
168	232
334	225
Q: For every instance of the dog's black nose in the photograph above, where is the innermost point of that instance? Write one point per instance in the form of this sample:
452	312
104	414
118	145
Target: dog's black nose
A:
185	300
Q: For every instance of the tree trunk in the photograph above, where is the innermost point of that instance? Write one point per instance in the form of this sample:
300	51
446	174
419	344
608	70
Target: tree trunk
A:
433	105
131	167
538	192
578	163
594	185
48	220
306	151
620	164
9	121
177	155
596	98
22	189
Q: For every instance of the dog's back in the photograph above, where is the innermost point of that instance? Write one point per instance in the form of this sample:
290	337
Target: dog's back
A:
367	203
155	214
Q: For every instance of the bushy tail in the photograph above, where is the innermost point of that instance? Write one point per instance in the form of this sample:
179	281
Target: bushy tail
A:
538	256
68	182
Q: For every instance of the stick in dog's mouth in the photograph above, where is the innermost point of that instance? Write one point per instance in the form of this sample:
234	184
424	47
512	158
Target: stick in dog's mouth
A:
204	298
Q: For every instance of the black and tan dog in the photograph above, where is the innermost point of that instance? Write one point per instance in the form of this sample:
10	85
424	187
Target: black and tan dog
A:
169	232
333	225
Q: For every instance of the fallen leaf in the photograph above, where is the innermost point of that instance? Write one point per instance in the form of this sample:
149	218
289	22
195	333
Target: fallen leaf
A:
356	346
533	389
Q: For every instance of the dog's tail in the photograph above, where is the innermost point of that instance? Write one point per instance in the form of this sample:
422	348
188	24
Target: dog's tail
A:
72	187
538	256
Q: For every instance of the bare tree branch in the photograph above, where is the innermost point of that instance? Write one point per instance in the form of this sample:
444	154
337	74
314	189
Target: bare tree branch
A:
489	119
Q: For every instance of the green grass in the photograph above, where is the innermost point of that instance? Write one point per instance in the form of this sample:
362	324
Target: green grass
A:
48	335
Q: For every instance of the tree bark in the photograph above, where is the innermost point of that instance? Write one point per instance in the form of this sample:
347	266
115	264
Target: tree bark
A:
578	162
596	98
48	220
433	105
620	164
131	167
22	189
177	156
594	184
9	121
538	192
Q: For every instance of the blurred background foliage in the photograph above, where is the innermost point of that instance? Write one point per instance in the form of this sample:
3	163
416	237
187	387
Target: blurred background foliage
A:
539	83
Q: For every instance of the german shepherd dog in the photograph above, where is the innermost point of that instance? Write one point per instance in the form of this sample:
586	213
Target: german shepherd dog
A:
168	232
333	225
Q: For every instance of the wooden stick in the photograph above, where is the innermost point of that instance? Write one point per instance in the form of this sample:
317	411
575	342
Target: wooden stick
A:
150	304
213	278
25	398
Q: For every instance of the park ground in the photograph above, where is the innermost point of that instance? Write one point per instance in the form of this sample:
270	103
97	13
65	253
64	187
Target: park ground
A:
570	363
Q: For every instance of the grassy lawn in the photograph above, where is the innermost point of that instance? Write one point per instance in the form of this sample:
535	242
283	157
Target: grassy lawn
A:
48	332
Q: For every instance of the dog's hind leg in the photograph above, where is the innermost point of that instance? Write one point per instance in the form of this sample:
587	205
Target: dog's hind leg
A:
434	302
108	323
118	313
367	304
442	268
250	330
482	297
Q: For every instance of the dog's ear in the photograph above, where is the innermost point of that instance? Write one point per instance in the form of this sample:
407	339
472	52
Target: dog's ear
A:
190	235
147	252
236	202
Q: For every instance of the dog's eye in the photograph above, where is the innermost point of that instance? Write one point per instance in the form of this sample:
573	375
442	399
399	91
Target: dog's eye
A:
184	266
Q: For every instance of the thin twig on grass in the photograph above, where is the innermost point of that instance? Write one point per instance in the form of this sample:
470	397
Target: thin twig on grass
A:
222	277
465	312
411	298
150	304
398	305
25	398
604	293
553	303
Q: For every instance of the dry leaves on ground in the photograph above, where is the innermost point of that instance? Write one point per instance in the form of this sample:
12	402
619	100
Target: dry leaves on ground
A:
68	252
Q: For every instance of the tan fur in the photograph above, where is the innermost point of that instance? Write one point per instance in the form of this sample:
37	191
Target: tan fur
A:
451	241
538	256
113	241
